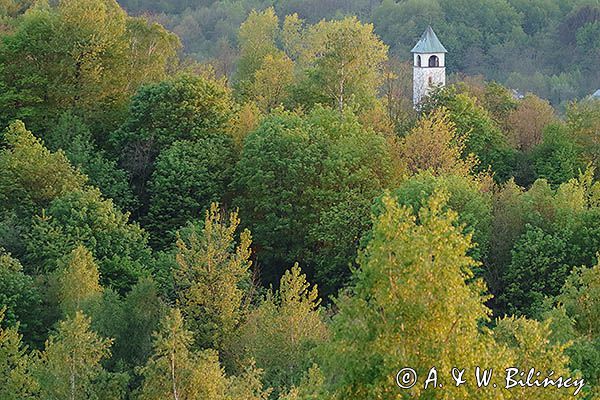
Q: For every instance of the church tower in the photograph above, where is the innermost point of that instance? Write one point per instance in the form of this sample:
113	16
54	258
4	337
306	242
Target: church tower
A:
429	65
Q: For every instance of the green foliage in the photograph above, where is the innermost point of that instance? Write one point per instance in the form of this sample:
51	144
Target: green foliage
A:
86	55
499	102
211	275
179	108
304	185
77	281
16	382
257	38
30	175
465	196
409	290
30	178
85	217
131	320
481	135
434	145
337	63
539	267
280	332
583	120
528	340
70	366
19	297
178	372
185	107
578	302
272	82
152	51
143	309
539	235
557	158
579	297
128	127
188	176
345	62
584	356
71	135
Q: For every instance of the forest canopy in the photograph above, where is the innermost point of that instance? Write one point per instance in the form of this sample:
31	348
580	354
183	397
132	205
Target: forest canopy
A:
237	200
548	47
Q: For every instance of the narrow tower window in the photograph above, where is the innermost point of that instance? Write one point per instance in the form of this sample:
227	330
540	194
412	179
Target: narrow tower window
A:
434	61
418	61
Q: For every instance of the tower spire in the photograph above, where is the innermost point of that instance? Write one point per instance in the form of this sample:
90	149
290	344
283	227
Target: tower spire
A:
429	65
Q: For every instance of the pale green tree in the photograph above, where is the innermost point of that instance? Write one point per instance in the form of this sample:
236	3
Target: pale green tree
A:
528	341
257	39
70	366
89	57
280	332
583	120
580	296
77	281
176	372
30	175
345	62
16	382
574	320
272	81
411	306
434	145
293	36
210	276
152	52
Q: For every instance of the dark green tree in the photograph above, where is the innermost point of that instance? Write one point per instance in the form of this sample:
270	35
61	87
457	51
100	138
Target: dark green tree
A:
20	298
71	135
539	267
188	177
304	186
185	107
120	247
557	159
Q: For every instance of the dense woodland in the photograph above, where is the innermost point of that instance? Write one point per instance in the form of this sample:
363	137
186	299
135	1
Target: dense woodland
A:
548	47
271	219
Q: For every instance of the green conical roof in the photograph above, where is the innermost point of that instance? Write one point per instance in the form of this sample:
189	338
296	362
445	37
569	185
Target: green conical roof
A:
429	43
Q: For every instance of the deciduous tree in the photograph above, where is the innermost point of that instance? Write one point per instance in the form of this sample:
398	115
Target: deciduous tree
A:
527	122
188	177
345	62
16	382
70	365
77	281
435	146
212	272
280	332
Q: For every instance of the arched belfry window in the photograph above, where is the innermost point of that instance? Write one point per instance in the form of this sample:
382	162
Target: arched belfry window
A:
434	61
418	61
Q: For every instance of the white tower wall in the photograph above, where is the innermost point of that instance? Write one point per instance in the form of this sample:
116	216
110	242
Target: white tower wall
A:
425	77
